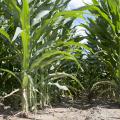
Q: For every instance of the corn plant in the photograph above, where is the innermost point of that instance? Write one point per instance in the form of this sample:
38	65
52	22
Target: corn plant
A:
106	37
47	52
22	17
103	37
35	41
102	30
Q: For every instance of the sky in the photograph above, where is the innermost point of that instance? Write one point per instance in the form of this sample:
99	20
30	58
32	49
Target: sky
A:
77	3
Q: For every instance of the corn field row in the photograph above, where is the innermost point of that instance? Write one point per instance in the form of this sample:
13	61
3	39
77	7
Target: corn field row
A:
43	60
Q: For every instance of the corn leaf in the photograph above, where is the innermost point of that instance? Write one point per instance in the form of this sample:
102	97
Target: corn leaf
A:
5	34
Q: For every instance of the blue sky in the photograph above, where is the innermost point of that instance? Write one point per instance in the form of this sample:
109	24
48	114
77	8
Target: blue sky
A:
77	3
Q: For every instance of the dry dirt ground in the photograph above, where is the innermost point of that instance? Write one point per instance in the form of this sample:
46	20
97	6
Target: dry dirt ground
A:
89	112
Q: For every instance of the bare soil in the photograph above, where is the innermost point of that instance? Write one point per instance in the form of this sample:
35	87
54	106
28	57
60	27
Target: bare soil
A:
95	111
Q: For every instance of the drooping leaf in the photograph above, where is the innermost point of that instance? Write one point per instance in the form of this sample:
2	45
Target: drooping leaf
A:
63	74
62	87
52	54
5	34
10	72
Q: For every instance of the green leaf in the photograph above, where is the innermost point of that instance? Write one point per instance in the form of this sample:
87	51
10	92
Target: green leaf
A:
25	16
10	72
14	8
48	55
58	75
25	21
95	2
78	44
79	14
117	72
5	34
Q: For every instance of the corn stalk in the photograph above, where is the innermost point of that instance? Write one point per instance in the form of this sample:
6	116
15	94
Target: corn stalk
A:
25	22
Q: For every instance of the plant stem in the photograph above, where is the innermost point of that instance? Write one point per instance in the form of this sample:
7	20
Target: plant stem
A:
25	106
